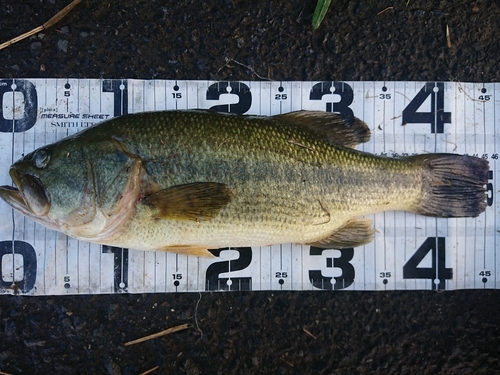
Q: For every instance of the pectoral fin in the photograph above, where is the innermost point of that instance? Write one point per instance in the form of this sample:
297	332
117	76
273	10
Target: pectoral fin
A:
342	130
194	202
354	233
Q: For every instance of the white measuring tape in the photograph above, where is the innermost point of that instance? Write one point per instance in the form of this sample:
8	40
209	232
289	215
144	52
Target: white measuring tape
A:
409	251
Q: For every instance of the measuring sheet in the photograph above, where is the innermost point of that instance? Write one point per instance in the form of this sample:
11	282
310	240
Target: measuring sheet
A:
410	252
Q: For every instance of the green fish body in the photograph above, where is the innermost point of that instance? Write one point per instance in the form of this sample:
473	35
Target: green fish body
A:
189	181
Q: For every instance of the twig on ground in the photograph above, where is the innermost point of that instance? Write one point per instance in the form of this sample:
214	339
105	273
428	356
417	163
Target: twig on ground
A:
288	363
384	10
309	333
228	60
150	370
159	334
46	25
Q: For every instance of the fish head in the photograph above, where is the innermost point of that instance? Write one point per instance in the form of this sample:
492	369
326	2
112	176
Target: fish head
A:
53	185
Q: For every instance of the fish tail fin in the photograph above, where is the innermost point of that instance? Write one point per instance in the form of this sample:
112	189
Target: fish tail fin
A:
454	185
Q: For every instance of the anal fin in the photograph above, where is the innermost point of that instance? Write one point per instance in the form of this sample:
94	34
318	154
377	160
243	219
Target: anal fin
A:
354	233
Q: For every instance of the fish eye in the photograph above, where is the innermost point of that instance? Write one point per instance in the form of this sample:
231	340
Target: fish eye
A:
41	158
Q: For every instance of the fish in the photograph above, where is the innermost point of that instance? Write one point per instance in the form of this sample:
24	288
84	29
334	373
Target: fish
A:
191	181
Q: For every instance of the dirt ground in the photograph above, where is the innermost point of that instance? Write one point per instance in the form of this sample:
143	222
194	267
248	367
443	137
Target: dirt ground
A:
254	332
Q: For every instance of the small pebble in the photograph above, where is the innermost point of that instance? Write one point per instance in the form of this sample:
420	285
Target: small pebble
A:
36	48
62	45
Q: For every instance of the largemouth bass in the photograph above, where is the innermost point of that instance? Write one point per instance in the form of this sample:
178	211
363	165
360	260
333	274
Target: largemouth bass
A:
190	181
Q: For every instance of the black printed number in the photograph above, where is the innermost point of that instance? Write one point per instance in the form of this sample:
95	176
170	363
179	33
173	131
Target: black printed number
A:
437	117
240	89
338	88
20	277
437	273
29	100
341	282
215	282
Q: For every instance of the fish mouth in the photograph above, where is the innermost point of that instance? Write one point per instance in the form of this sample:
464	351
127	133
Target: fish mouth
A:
29	196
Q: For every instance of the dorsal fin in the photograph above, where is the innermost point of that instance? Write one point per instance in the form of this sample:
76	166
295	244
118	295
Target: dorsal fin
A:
339	129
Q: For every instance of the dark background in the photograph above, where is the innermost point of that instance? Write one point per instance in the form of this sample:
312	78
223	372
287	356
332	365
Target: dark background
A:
254	332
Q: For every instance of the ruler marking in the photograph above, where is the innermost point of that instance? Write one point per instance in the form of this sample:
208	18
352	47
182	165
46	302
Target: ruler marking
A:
281	106
458	244
144	95
486	151
395	214
67	98
495	179
475	152
363	149
435	105
463	235
384	214
466	282
154	97
12	160
165	277
66	249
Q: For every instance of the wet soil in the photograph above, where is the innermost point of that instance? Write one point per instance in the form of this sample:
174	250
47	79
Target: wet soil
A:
403	332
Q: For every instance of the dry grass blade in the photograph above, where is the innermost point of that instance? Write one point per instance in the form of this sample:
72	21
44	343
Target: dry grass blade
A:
46	25
309	333
448	37
288	363
4	373
159	334
150	370
384	10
